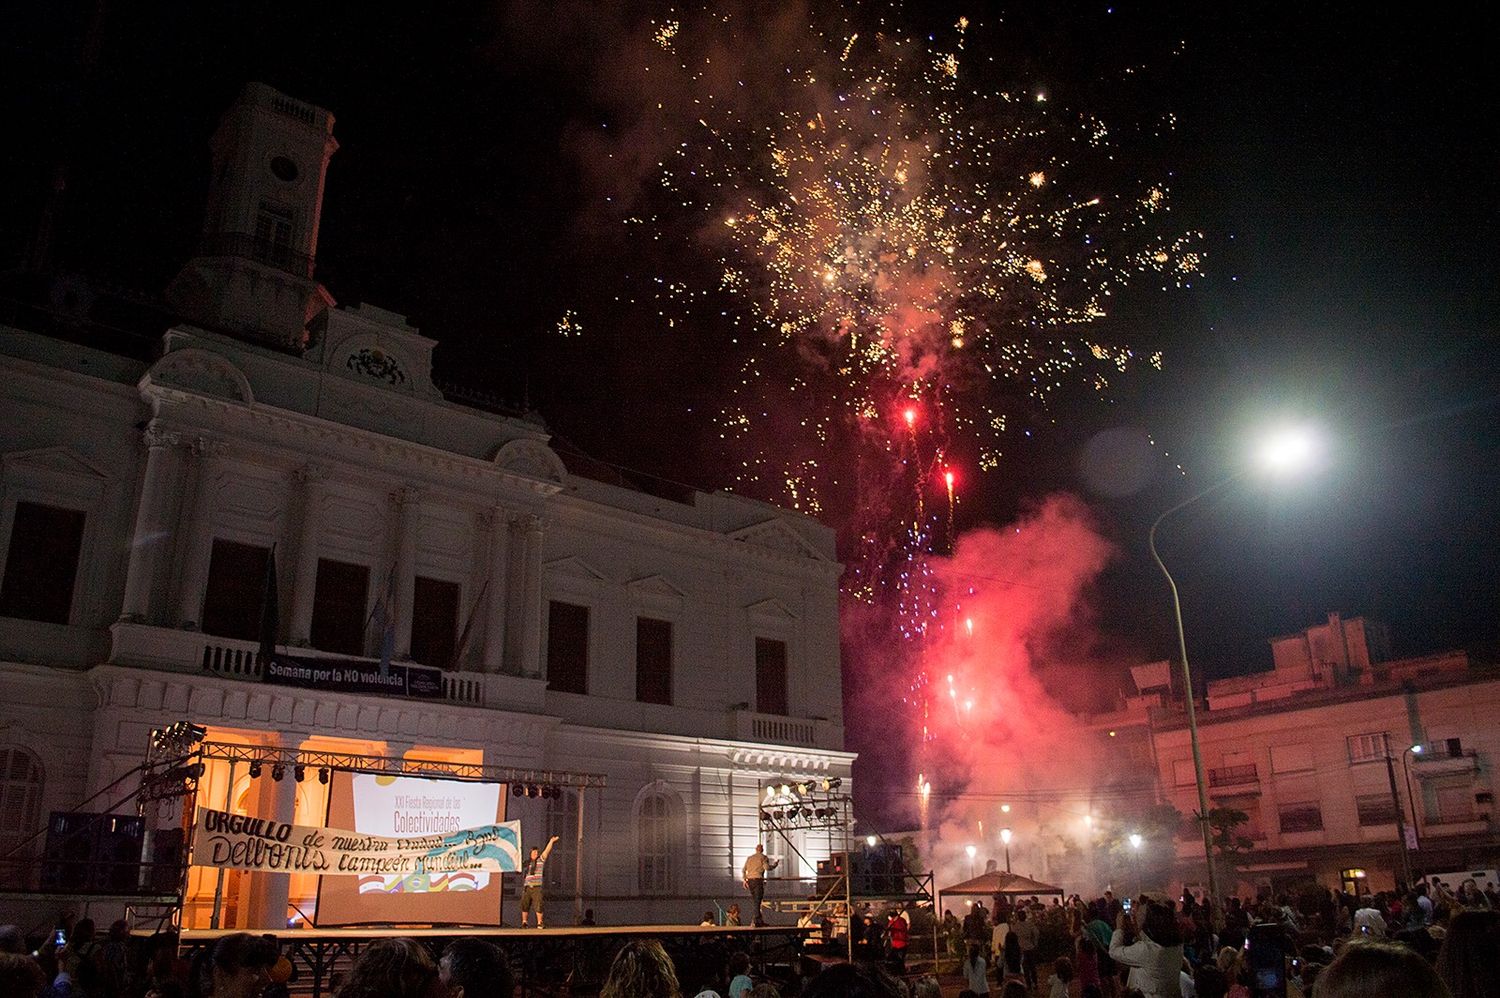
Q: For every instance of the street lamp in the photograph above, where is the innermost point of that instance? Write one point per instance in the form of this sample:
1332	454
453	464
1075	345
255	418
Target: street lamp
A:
1005	835
971	851
1135	844
1279	454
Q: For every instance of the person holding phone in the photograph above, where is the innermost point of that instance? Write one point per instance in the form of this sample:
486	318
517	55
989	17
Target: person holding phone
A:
1155	958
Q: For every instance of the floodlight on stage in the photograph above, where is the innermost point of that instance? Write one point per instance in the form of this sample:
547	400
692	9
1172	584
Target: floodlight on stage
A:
278	772
765	816
517	790
834	783
323	775
299	772
255	770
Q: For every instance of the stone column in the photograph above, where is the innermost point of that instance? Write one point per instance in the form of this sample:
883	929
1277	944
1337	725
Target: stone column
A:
528	643
277	800
198	534
151	541
408	503
304	555
499	589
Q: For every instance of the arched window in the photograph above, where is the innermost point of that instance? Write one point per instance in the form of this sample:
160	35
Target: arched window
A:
659	840
20	798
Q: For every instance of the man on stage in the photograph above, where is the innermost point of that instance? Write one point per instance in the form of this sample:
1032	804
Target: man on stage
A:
755	879
536	880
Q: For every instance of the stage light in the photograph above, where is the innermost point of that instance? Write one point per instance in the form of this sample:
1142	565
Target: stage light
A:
255	769
835	783
323	775
532	790
765	816
785	789
299	772
278	772
517	790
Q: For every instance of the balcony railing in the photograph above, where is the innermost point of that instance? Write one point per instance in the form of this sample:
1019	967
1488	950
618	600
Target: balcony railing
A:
1233	776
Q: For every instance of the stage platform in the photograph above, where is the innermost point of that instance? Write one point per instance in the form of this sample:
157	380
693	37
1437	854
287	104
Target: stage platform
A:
546	961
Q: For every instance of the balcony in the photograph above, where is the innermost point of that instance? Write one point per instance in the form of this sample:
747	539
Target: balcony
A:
1234	776
172	650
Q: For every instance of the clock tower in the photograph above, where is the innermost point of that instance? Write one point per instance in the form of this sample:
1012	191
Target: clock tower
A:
252	276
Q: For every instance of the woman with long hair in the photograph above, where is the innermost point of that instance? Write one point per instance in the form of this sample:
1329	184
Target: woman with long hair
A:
641	969
1467	961
391	968
976	971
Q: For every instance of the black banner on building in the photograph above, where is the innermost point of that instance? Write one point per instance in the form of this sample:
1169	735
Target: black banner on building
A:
354	675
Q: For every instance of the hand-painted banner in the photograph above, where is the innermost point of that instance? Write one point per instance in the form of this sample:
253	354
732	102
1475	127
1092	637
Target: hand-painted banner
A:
238	842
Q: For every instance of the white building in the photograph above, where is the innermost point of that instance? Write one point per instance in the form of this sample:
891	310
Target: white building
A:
686	650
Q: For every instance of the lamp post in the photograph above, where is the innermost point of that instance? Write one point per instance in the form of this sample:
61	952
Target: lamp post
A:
1135	845
971	851
1281	453
1399	809
1005	835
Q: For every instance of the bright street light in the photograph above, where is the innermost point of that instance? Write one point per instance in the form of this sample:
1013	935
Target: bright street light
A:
1283	452
1135	840
870	841
971	851
1289	449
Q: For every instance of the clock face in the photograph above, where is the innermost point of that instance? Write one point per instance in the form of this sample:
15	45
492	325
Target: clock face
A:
284	169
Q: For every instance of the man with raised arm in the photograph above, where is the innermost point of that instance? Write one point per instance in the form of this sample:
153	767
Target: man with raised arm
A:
535	882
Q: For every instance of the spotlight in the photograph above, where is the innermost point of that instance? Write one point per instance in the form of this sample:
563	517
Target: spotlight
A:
765	816
835	783
785	789
323	775
532	790
278	772
517	790
299	772
255	769
792	812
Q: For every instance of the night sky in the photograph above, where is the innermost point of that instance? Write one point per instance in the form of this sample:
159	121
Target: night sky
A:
1339	159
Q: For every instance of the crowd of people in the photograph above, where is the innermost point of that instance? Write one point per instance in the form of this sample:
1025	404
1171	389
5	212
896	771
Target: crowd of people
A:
247	965
1442	940
1432	941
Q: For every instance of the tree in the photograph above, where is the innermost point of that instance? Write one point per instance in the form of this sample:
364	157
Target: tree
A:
1229	842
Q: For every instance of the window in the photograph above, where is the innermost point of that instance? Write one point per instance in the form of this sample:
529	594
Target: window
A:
1304	817
339	605
41	566
1375	809
659	841
1368	748
562	821
567	647
434	622
20	800
653	660
770	676
236	589
273	235
1455	803
1291	758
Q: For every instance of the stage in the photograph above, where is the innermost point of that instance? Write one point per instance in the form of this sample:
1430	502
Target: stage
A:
545	961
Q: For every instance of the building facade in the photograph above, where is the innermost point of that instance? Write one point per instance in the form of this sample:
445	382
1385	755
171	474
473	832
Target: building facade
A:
685	649
1337	756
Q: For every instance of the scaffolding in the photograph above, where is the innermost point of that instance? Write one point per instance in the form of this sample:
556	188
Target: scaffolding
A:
789	807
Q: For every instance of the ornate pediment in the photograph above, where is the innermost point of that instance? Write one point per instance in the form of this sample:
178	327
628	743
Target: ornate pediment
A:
574	567
772	608
775	535
201	372
57	462
656	587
